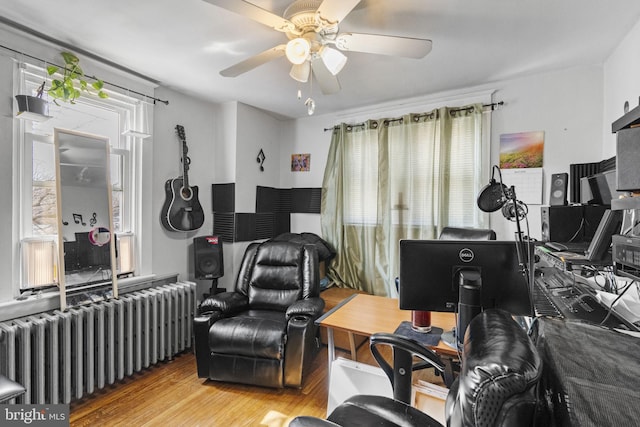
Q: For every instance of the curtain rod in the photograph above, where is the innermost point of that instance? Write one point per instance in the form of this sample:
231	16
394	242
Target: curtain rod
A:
90	77
493	106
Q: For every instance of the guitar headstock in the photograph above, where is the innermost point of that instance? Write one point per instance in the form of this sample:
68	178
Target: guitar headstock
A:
180	131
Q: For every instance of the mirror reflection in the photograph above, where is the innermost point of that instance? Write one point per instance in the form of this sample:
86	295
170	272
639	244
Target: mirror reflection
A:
85	223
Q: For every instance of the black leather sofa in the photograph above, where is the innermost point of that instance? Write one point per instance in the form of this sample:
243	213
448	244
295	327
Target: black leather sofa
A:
263	332
497	386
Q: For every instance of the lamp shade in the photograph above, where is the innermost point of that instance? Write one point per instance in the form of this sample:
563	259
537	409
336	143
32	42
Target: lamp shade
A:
300	72
39	262
333	59
298	50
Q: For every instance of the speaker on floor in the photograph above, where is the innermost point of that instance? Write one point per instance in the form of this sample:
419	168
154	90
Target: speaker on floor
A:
207	256
558	193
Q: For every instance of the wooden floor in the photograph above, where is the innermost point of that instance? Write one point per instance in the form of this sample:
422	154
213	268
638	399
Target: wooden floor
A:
171	394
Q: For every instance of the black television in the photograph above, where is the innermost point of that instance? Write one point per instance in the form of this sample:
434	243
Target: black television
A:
610	224
430	274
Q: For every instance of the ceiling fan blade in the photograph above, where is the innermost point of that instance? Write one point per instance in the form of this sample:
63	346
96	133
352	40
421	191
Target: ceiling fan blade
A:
335	11
254	61
384	45
328	82
254	12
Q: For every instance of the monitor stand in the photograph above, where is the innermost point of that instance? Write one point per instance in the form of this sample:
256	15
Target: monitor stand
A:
469	305
450	338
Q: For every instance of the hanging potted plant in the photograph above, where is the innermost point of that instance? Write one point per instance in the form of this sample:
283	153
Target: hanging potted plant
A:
66	87
72	82
33	107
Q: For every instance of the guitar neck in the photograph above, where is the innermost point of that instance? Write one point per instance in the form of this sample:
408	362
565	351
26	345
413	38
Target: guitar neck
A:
185	164
184	157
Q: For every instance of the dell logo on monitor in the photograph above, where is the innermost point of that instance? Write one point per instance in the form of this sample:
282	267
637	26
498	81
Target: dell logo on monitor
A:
466	255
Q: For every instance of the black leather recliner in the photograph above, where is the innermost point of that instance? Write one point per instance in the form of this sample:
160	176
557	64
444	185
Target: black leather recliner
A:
497	386
263	332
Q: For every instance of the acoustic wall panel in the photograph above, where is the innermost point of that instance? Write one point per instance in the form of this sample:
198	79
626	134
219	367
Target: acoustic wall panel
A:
272	216
223	197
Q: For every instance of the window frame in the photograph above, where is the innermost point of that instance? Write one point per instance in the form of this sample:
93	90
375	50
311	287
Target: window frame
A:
127	111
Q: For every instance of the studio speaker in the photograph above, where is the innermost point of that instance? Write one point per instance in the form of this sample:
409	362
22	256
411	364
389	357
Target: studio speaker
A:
207	256
558	193
628	159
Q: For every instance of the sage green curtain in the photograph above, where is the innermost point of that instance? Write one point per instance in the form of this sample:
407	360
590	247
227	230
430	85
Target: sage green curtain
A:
392	179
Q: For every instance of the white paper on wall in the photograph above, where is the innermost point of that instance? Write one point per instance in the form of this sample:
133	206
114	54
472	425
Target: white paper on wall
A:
527	183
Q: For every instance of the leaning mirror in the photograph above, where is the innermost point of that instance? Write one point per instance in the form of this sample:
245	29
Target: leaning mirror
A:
86	240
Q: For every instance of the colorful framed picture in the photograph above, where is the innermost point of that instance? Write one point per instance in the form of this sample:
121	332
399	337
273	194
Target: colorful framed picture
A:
521	150
300	162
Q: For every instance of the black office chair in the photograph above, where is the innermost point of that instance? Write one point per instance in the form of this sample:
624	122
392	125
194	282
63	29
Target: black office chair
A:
465	233
9	389
497	386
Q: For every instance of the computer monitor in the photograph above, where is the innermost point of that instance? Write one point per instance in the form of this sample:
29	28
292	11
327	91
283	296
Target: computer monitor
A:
602	187
430	274
610	224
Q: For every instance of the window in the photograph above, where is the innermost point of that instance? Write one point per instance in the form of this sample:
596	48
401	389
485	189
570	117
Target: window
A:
423	172
393	179
106	117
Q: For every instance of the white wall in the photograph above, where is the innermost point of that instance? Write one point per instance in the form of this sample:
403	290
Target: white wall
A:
256	130
173	251
567	106
621	83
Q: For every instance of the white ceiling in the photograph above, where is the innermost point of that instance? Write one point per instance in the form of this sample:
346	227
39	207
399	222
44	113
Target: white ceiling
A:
184	44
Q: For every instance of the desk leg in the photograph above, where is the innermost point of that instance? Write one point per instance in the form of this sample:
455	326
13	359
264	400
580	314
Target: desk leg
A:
331	348
352	345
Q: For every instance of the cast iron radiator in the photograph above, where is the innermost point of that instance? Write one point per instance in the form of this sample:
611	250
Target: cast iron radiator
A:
63	356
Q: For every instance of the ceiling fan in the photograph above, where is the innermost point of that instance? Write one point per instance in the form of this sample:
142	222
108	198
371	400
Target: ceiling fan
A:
315	46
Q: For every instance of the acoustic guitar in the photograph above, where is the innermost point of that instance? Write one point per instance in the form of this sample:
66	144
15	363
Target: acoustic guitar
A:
181	210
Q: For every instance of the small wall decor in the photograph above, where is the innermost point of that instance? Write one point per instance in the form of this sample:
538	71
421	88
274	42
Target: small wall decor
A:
521	150
521	158
261	158
300	162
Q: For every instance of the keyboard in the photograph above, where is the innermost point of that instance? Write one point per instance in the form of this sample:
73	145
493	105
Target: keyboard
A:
556	295
579	247
542	304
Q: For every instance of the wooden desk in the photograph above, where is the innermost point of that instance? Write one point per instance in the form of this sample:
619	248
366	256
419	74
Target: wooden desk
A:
365	315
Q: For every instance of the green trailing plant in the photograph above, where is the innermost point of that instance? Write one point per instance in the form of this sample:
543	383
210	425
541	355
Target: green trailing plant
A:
73	81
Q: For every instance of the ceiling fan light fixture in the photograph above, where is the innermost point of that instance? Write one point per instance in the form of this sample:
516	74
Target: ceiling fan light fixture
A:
300	72
298	50
333	59
311	106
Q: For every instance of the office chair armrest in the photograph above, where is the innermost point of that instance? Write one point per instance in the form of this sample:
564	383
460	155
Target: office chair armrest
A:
9	389
201	324
226	302
311	307
411	346
403	351
311	422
